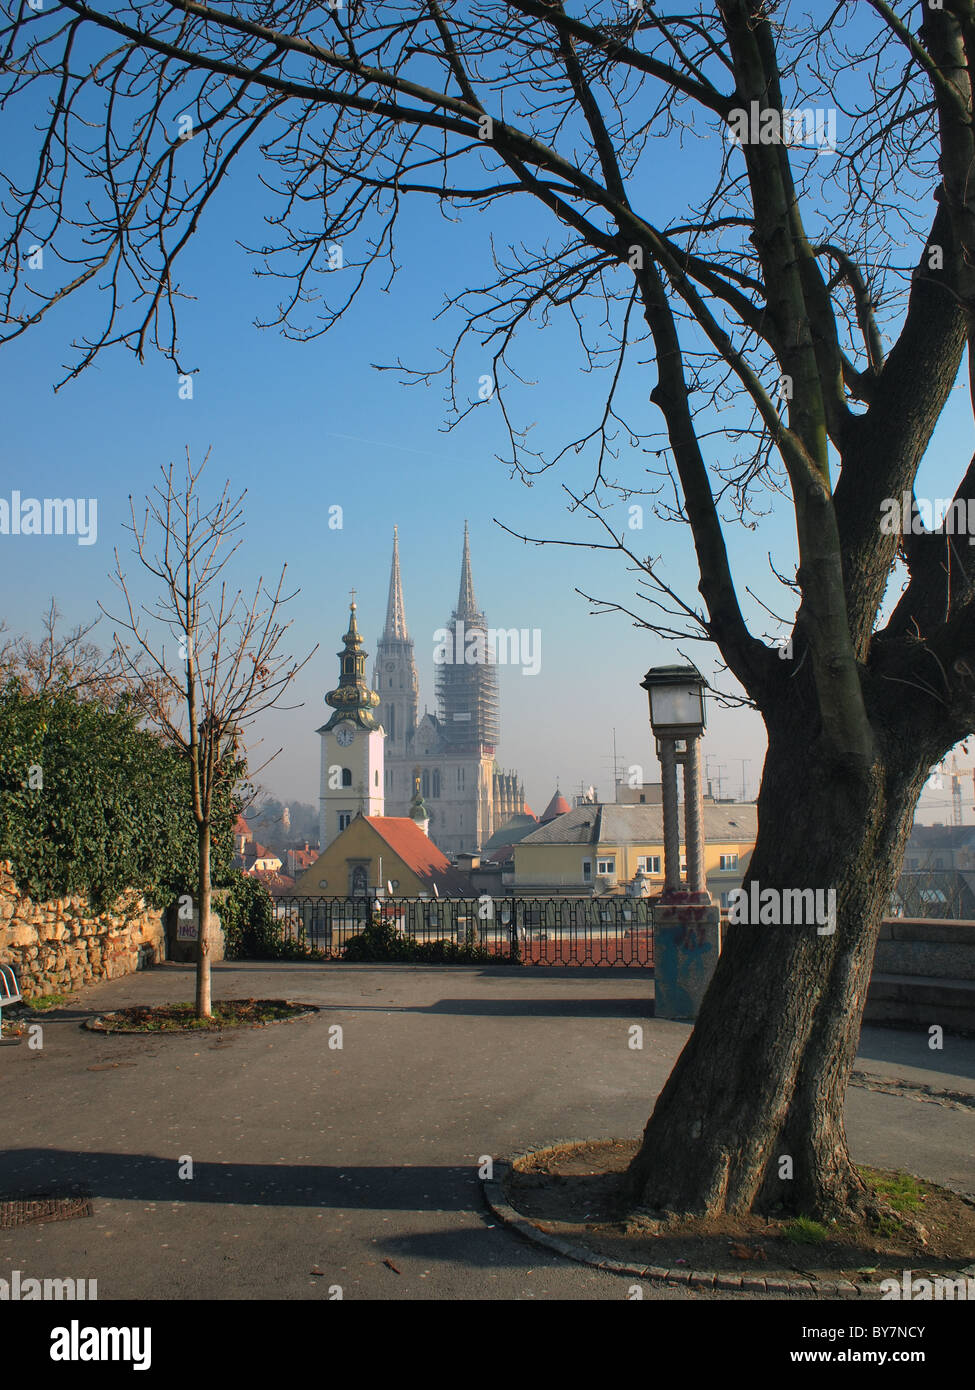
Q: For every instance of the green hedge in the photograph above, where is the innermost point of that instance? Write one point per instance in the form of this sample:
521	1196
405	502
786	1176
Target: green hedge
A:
381	941
112	811
246	911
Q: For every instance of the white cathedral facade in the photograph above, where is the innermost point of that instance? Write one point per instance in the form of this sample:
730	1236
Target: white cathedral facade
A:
378	753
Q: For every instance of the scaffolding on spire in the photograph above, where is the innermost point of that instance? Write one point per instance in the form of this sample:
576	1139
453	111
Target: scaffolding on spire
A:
467	684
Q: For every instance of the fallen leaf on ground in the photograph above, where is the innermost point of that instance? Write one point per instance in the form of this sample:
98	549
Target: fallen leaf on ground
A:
389	1265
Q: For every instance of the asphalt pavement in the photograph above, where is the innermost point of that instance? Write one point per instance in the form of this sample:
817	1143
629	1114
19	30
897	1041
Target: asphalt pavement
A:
318	1167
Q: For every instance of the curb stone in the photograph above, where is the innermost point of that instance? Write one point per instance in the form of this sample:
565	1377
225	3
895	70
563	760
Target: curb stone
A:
496	1198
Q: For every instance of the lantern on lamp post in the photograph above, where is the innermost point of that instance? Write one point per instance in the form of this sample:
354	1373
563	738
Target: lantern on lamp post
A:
677	718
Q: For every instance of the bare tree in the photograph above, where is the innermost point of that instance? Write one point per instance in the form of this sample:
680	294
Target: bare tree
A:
222	667
68	661
797	349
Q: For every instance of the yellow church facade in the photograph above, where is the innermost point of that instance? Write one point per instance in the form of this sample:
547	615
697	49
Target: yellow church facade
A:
374	853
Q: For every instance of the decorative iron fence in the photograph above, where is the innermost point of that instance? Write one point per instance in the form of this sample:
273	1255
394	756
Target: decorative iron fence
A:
528	931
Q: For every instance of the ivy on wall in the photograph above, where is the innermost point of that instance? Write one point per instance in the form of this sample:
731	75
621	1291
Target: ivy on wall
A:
92	804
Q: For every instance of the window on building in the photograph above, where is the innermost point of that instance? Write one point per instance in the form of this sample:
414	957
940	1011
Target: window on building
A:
587	871
606	867
425	782
683	863
376	777
346	777
724	901
391	712
728	861
350	666
436	783
345	819
649	863
939	863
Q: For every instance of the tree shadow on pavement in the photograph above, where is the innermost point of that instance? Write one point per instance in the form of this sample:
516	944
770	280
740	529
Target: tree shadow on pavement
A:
148	1178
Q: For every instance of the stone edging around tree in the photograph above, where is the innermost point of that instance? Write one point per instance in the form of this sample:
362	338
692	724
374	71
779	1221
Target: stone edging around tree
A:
95	1024
496	1197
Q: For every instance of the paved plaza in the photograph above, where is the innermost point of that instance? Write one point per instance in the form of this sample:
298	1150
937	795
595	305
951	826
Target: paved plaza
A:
315	1166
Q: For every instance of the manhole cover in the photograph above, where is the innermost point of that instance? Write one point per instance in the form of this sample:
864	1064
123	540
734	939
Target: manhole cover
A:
26	1209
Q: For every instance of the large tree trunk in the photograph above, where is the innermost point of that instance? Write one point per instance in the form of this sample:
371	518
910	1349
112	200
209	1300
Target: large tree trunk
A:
203	1005
763	1076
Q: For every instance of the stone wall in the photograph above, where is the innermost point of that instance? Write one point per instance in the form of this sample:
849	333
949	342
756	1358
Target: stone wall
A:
924	974
57	946
938	948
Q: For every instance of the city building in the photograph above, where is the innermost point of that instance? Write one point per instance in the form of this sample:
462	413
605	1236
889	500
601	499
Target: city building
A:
938	847
383	856
258	858
601	849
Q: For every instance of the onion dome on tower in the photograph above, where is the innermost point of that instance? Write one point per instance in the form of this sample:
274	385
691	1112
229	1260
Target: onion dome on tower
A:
352	699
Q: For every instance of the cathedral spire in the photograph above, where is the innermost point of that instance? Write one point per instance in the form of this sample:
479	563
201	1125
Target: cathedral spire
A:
466	602
467	692
395	609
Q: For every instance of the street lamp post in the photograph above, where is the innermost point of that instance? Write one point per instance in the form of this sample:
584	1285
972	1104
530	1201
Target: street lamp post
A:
686	924
677	717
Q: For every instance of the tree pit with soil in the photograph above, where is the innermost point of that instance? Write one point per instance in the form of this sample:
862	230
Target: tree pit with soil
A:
181	1018
576	1192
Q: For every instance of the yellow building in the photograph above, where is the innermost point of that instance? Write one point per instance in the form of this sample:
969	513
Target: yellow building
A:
602	848
375	851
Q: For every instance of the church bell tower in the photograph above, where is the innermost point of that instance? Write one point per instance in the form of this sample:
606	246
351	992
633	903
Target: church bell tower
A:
352	745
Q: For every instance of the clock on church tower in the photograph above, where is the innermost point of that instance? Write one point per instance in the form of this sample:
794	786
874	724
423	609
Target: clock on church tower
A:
352	744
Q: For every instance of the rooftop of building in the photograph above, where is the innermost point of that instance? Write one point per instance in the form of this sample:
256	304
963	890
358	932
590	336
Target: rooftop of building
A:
558	806
515	828
420	854
609	823
942	837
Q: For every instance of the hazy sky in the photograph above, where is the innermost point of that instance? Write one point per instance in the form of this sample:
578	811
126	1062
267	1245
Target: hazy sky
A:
309	426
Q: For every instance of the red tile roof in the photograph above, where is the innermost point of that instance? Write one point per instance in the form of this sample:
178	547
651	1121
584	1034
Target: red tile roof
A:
420	854
556	807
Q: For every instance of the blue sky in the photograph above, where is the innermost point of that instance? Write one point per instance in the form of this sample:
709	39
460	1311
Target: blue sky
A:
307	426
